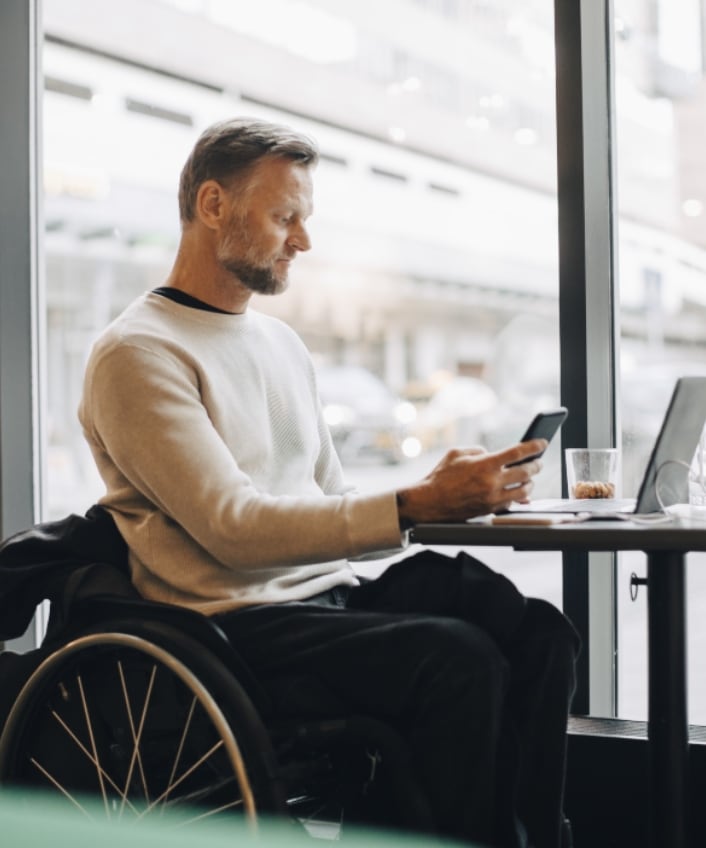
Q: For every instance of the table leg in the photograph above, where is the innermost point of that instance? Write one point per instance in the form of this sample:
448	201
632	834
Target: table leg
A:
668	723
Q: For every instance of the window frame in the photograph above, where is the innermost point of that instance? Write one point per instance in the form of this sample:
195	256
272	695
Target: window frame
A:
20	232
584	38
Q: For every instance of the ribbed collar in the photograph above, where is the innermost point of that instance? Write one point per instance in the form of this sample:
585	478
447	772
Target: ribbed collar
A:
179	296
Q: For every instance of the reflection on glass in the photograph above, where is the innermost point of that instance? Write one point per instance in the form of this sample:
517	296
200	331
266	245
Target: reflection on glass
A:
661	123
429	299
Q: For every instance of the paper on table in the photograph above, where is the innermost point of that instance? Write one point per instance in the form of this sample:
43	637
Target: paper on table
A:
543	518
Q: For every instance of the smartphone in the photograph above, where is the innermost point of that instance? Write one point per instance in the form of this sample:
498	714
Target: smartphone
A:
544	425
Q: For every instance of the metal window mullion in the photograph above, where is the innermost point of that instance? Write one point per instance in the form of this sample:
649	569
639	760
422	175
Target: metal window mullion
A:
19	264
587	297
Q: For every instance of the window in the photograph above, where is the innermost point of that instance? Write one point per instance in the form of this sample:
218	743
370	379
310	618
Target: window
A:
430	297
661	127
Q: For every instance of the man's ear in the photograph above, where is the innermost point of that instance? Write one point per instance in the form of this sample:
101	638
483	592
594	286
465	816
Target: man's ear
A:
210	204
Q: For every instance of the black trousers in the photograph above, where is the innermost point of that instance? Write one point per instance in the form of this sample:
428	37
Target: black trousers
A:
477	678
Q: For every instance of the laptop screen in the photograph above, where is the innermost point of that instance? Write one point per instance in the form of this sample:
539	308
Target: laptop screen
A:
666	479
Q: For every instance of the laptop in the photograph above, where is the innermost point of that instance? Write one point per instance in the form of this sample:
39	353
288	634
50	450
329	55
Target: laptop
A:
666	478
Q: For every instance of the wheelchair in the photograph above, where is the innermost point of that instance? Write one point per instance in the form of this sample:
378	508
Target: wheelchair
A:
149	708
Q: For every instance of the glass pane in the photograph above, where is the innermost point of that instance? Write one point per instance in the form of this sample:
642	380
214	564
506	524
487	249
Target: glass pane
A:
429	300
661	131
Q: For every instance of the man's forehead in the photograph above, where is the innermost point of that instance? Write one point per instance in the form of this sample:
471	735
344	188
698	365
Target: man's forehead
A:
278	170
279	179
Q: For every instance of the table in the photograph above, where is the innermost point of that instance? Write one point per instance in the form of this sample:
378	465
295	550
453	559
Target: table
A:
665	546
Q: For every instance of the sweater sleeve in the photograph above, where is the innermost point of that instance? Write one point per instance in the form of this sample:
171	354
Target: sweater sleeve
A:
157	448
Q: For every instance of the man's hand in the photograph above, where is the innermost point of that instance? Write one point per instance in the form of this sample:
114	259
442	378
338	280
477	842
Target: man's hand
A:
469	482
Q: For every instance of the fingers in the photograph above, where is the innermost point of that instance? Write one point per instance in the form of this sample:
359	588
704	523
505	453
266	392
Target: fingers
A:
507	484
497	472
470	481
517	476
517	494
521	452
514	476
472	450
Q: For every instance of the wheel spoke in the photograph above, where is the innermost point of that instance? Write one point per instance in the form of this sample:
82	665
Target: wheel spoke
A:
89	756
183	777
136	758
60	787
180	749
198	798
91	736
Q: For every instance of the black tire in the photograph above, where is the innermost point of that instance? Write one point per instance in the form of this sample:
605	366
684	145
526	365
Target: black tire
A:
145	720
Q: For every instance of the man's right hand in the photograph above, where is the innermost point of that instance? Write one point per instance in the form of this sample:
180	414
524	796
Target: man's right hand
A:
469	482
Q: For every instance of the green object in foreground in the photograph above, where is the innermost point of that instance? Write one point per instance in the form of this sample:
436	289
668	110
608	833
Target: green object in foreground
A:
38	821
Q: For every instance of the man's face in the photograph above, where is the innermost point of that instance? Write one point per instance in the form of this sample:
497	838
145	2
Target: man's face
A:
265	227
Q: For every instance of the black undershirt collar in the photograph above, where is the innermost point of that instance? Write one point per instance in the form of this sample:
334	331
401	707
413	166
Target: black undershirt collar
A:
179	296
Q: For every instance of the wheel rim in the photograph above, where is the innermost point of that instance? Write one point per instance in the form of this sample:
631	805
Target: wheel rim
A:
100	699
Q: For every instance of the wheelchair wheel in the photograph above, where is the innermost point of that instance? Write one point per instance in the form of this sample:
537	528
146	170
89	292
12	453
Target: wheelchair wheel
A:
147	724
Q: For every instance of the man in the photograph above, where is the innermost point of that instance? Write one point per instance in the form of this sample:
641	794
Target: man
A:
205	424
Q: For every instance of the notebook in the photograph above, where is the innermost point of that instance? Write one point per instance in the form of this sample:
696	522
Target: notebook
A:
671	455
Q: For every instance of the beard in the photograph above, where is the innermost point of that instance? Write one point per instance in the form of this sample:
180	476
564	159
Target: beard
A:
257	278
240	257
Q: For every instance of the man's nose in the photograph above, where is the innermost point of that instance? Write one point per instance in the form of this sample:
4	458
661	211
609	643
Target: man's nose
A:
299	239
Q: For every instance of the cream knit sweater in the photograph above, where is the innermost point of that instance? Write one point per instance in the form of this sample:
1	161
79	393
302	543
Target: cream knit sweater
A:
218	466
